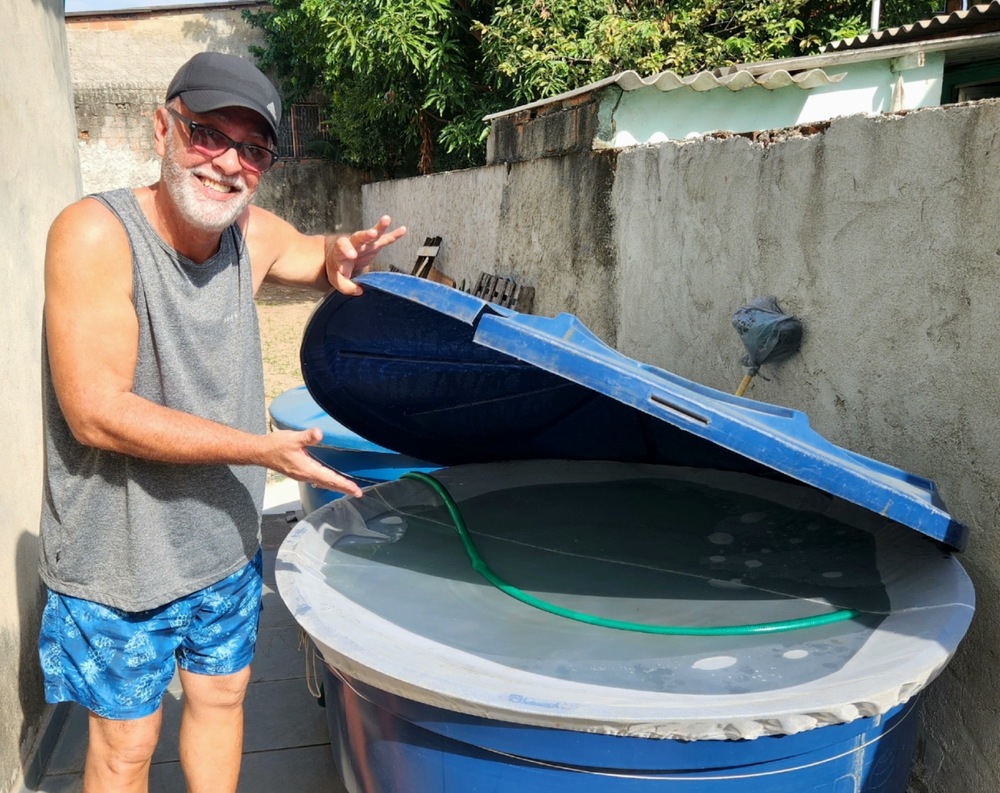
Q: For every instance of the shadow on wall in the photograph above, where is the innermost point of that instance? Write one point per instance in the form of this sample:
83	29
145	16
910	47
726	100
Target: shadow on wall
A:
30	601
316	196
56	9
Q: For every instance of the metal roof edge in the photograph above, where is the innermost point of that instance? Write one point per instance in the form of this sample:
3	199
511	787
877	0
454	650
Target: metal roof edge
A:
585	89
882	52
701	81
147	9
940	23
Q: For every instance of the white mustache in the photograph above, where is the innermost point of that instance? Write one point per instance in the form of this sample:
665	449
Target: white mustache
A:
236	182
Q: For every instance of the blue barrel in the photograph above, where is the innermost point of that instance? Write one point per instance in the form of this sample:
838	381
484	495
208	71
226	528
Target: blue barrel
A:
341	449
384	743
438	680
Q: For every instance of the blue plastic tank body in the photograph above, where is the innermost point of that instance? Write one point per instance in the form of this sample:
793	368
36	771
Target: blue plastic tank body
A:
384	743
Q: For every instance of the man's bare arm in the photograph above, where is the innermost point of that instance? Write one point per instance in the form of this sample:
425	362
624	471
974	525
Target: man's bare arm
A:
281	254
92	336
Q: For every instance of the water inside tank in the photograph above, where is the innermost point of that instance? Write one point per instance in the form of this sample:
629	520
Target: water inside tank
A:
384	587
649	545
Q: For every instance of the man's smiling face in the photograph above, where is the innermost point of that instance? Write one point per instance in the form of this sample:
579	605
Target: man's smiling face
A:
211	192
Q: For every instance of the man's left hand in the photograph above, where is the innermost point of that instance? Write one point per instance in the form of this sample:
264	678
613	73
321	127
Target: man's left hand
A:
350	255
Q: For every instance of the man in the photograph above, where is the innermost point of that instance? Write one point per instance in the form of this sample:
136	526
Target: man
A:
156	446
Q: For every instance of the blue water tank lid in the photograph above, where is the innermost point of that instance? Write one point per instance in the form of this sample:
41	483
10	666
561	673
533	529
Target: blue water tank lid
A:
295	409
432	372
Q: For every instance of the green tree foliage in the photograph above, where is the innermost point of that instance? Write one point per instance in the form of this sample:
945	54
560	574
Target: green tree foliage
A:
397	74
407	82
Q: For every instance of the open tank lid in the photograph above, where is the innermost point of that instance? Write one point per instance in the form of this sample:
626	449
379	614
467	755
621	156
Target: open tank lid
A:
432	372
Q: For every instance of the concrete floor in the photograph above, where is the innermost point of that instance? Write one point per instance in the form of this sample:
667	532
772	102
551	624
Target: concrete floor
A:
286	745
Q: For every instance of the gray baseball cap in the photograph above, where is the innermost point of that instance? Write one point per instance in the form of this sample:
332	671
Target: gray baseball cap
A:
213	80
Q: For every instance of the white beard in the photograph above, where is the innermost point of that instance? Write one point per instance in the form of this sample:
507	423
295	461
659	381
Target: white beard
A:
203	214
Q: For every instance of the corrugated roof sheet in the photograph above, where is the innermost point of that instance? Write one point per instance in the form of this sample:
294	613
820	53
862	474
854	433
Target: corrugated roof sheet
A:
975	19
737	81
702	81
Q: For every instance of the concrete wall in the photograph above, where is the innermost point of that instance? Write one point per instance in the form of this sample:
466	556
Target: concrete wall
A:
880	233
39	175
316	196
141	47
554	229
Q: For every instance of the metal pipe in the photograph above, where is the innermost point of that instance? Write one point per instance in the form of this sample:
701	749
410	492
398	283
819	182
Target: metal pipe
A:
876	13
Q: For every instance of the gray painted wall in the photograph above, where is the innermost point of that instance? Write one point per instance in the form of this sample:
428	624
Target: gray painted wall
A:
880	233
39	175
316	196
546	224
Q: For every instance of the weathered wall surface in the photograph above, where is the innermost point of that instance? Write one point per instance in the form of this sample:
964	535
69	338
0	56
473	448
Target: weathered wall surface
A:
316	196
546	224
878	232
140	48
39	175
115	133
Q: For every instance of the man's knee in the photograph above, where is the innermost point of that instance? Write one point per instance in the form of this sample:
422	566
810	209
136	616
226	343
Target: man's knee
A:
123	747
215	691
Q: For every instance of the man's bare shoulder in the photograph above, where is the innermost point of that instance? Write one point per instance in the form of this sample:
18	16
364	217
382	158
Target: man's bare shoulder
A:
88	222
259	220
87	241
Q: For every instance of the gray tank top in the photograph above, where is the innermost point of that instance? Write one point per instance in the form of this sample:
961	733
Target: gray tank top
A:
136	534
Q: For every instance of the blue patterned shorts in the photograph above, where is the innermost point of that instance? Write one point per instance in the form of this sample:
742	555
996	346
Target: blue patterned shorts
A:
118	663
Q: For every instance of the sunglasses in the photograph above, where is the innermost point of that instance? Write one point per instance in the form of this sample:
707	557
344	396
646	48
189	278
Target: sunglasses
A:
214	143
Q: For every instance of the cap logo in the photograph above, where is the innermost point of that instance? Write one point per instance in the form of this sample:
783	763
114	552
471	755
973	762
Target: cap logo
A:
270	108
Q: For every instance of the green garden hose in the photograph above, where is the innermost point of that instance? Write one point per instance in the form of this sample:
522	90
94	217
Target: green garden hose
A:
480	566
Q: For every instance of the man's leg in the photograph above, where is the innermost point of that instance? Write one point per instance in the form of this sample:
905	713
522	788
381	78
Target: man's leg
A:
214	664
119	753
212	730
117	665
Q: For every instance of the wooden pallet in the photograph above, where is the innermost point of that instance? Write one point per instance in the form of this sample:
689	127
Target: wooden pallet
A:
504	292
